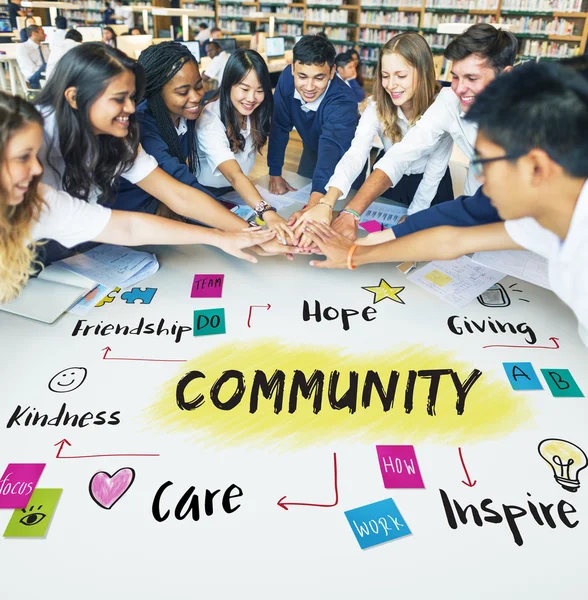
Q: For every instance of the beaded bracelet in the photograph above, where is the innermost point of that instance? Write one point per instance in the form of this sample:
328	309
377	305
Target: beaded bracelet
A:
354	214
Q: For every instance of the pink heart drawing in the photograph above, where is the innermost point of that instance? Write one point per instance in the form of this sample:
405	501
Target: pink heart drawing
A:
106	490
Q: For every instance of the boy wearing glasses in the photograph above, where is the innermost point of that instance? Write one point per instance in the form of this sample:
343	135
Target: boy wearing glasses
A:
532	157
479	55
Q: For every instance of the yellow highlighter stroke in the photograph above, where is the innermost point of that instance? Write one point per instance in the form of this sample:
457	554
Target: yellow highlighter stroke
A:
272	393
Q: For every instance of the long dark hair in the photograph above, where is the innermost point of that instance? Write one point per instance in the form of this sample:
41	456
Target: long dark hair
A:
161	63
237	68
90	161
113	35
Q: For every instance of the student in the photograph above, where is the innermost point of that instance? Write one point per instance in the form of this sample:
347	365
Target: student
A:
72	39
167	118
346	70
233	128
91	136
124	13
108	14
359	76
15	10
29	56
109	37
30	211
216	33
203	34
137	31
321	108
218	61
405	87
479	54
60	30
24	36
532	157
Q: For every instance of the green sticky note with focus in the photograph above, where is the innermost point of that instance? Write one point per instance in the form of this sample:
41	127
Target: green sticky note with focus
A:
561	383
209	322
33	521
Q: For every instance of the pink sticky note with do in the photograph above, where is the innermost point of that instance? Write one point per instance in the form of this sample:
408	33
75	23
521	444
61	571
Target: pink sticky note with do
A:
18	483
399	467
371	226
207	285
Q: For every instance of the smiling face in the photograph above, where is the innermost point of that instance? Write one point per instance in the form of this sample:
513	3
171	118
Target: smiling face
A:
109	114
248	94
183	92
68	380
399	79
20	162
311	81
469	77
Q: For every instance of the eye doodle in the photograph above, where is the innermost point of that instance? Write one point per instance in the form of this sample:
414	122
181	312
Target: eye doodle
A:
32	518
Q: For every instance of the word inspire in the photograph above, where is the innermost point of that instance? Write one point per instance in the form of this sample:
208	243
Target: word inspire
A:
541	515
142	328
457	325
18	488
31	417
314	386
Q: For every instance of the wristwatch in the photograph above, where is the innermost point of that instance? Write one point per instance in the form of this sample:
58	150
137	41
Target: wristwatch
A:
263	207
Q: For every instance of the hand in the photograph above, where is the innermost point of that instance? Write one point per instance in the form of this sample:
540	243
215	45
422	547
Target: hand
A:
332	244
234	242
346	225
320	213
278	185
378	237
275	248
279	226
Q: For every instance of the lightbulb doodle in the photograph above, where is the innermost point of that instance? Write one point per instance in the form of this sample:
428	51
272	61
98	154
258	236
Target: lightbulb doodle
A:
566	460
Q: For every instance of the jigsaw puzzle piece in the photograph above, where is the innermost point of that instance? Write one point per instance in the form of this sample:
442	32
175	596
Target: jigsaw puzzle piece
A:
108	298
144	295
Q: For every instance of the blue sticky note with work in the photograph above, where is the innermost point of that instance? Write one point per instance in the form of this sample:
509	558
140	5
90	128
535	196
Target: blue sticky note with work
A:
377	523
522	376
209	322
561	383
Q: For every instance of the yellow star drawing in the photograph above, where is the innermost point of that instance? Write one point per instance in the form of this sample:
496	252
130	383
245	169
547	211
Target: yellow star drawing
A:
384	290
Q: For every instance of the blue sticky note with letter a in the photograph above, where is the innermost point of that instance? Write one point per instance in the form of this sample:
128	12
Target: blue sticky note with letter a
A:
377	523
522	376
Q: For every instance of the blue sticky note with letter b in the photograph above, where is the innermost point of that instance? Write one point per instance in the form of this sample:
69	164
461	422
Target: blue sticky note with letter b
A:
522	376
377	523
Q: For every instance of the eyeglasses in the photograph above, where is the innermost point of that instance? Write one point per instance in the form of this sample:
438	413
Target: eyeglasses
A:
478	163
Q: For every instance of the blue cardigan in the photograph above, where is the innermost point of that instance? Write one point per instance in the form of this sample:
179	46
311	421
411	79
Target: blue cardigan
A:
328	131
132	197
465	211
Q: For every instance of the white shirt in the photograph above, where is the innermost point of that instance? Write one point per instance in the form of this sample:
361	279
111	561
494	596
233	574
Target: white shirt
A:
28	57
443	116
125	14
52	160
57	38
203	36
432	162
68	220
57	51
567	260
214	148
314	105
217	65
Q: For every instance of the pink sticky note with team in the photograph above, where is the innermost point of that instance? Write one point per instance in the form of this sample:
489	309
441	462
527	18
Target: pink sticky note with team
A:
18	484
399	467
207	285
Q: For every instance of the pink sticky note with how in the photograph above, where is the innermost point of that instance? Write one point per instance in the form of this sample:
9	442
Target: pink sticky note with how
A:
18	483
207	285
399	467
371	226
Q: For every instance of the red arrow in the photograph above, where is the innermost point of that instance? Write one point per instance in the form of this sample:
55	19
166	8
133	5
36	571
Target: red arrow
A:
109	349
285	505
553	339
266	306
63	442
469	481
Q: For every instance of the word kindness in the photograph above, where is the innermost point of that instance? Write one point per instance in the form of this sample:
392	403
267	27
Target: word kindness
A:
230	388
29	417
142	328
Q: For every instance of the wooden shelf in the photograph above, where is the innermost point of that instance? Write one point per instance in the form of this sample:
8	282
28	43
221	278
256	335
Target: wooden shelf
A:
565	38
392	27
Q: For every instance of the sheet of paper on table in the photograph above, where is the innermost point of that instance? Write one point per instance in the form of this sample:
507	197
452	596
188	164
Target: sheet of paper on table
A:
275	200
386	214
456	281
521	264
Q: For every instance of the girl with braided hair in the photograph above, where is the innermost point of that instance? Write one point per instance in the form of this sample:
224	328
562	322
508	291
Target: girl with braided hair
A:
167	118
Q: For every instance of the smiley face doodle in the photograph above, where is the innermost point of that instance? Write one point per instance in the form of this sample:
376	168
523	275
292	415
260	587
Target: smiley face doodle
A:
68	380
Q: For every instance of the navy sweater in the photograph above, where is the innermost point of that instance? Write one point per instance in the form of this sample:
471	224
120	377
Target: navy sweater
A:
465	211
328	131
132	197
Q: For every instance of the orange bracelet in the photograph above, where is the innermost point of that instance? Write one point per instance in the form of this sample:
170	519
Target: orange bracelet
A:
350	256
